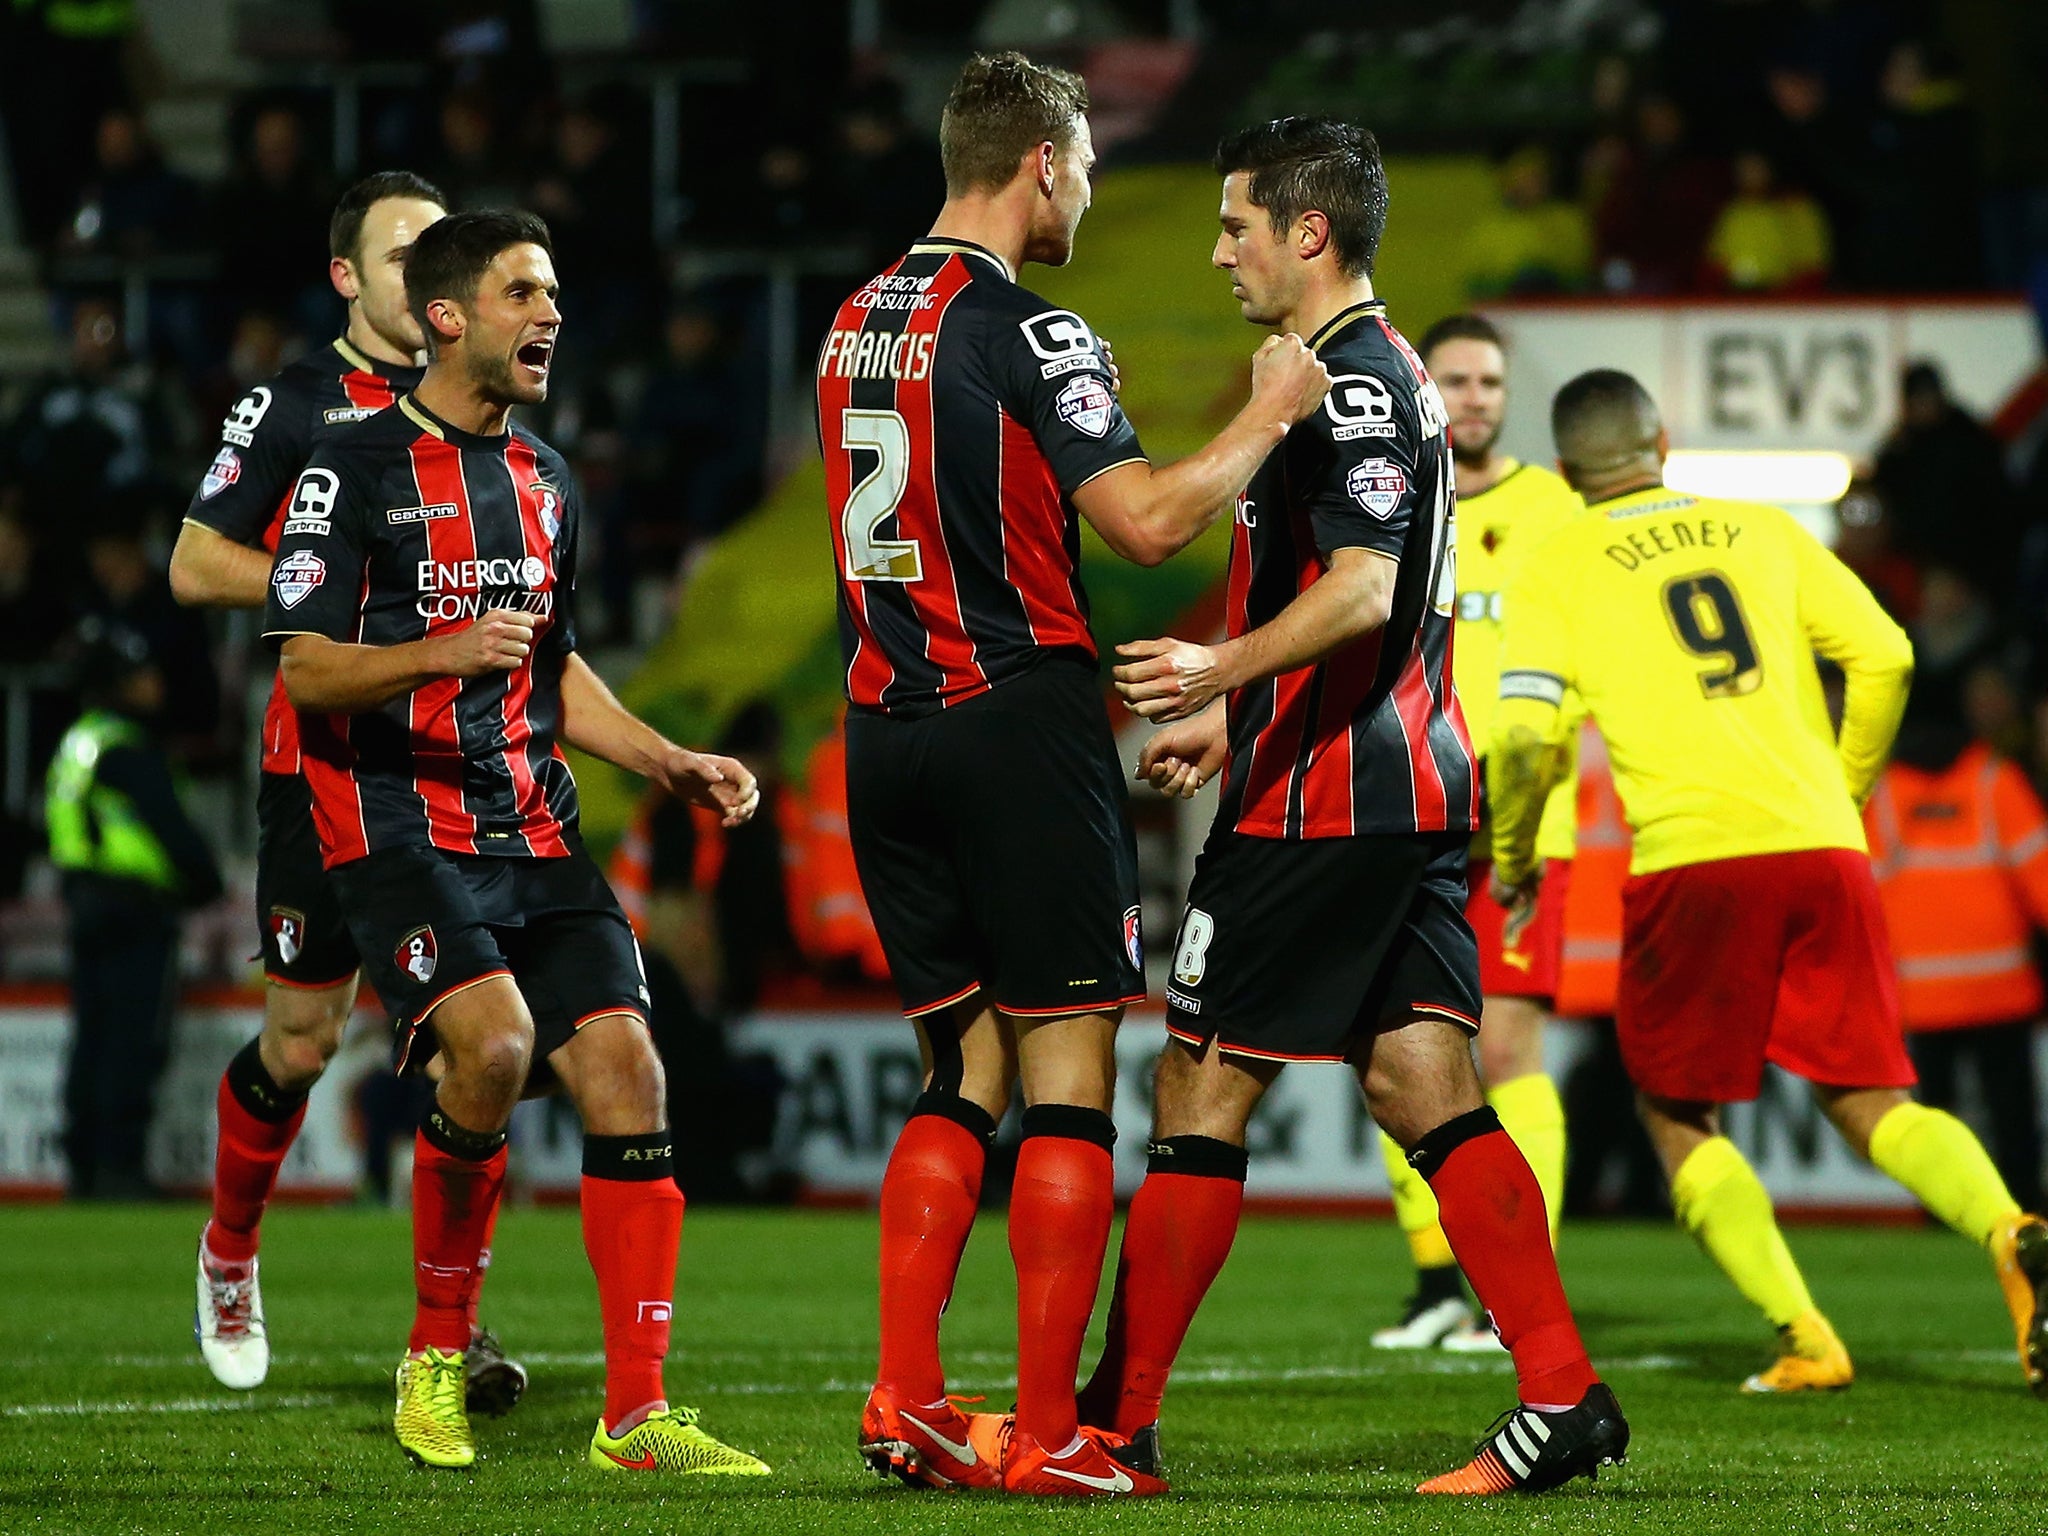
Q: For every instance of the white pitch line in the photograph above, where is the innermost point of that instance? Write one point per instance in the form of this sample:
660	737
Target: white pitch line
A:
176	1405
1206	1375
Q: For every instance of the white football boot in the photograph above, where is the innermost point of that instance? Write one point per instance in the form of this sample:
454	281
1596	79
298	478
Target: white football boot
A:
228	1322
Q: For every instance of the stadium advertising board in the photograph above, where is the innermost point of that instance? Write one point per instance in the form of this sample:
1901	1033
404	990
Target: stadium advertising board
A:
1754	375
849	1081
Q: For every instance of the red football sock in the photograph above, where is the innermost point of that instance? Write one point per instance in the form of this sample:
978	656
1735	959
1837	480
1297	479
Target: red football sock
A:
929	1196
633	1233
483	1268
258	1123
1493	1213
1060	1208
454	1203
1176	1237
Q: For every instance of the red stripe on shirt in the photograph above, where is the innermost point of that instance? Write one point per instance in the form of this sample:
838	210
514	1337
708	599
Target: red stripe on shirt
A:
1328	791
1413	705
543	831
1034	526
935	599
330	770
436	732
367	391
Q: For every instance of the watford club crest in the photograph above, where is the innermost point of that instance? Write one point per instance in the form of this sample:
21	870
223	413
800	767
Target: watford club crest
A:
1492	538
416	955
288	932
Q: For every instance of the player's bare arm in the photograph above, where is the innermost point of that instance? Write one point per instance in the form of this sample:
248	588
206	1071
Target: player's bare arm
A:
330	677
594	721
1169	679
1180	759
1148	515
210	570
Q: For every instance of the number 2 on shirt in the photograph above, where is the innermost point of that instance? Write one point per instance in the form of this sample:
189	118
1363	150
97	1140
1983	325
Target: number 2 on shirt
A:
1707	619
875	498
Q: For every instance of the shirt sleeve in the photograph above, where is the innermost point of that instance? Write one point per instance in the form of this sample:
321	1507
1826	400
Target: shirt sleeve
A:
316	581
560	639
264	441
1844	623
1356	479
1538	675
1053	376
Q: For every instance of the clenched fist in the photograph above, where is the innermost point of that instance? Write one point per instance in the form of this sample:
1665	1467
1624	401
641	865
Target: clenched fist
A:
497	642
1288	378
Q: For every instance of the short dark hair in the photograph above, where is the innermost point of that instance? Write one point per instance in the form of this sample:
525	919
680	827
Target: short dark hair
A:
1465	327
1603	420
450	257
1319	163
1002	106
345	229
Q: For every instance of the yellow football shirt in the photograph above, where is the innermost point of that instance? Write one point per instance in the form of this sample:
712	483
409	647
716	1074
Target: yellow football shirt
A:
1689	627
1496	529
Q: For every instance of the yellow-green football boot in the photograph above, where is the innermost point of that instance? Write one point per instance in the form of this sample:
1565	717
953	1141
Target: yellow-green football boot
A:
431	1420
668	1440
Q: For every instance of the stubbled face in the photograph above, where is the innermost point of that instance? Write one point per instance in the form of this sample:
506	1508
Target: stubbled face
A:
1265	277
1051	241
374	279
505	335
1472	376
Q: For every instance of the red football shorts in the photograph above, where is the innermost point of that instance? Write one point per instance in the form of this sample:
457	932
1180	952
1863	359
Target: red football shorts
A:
1531	968
1778	957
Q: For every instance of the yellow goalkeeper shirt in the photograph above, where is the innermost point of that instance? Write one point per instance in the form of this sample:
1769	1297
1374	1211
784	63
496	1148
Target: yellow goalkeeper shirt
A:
1689	627
1497	529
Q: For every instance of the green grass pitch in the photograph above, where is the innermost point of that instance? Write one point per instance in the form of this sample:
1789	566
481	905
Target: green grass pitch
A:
1283	1420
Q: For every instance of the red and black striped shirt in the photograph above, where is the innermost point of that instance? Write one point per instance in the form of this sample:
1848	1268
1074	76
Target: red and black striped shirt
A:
405	527
958	414
1370	739
265	441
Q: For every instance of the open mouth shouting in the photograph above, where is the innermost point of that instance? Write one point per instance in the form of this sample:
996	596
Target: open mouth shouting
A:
535	357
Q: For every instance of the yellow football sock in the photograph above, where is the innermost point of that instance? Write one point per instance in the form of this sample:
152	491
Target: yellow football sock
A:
1943	1163
1533	1115
1415	1208
1721	1202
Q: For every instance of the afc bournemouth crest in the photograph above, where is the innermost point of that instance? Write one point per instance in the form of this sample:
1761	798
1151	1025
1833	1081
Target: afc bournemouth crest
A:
288	933
1134	943
415	954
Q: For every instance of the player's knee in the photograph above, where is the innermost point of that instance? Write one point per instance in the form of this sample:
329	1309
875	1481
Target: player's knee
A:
496	1063
303	1032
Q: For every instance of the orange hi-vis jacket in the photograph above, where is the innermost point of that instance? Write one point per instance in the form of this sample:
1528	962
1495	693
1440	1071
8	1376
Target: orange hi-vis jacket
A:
1592	910
828	912
630	871
1961	858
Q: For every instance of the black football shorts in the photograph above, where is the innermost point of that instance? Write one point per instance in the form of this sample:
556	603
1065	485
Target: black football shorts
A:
306	943
994	846
431	923
1297	950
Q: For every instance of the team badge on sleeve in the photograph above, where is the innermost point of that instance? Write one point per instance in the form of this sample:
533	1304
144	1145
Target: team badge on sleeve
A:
416	954
1086	405
223	472
297	576
1377	486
